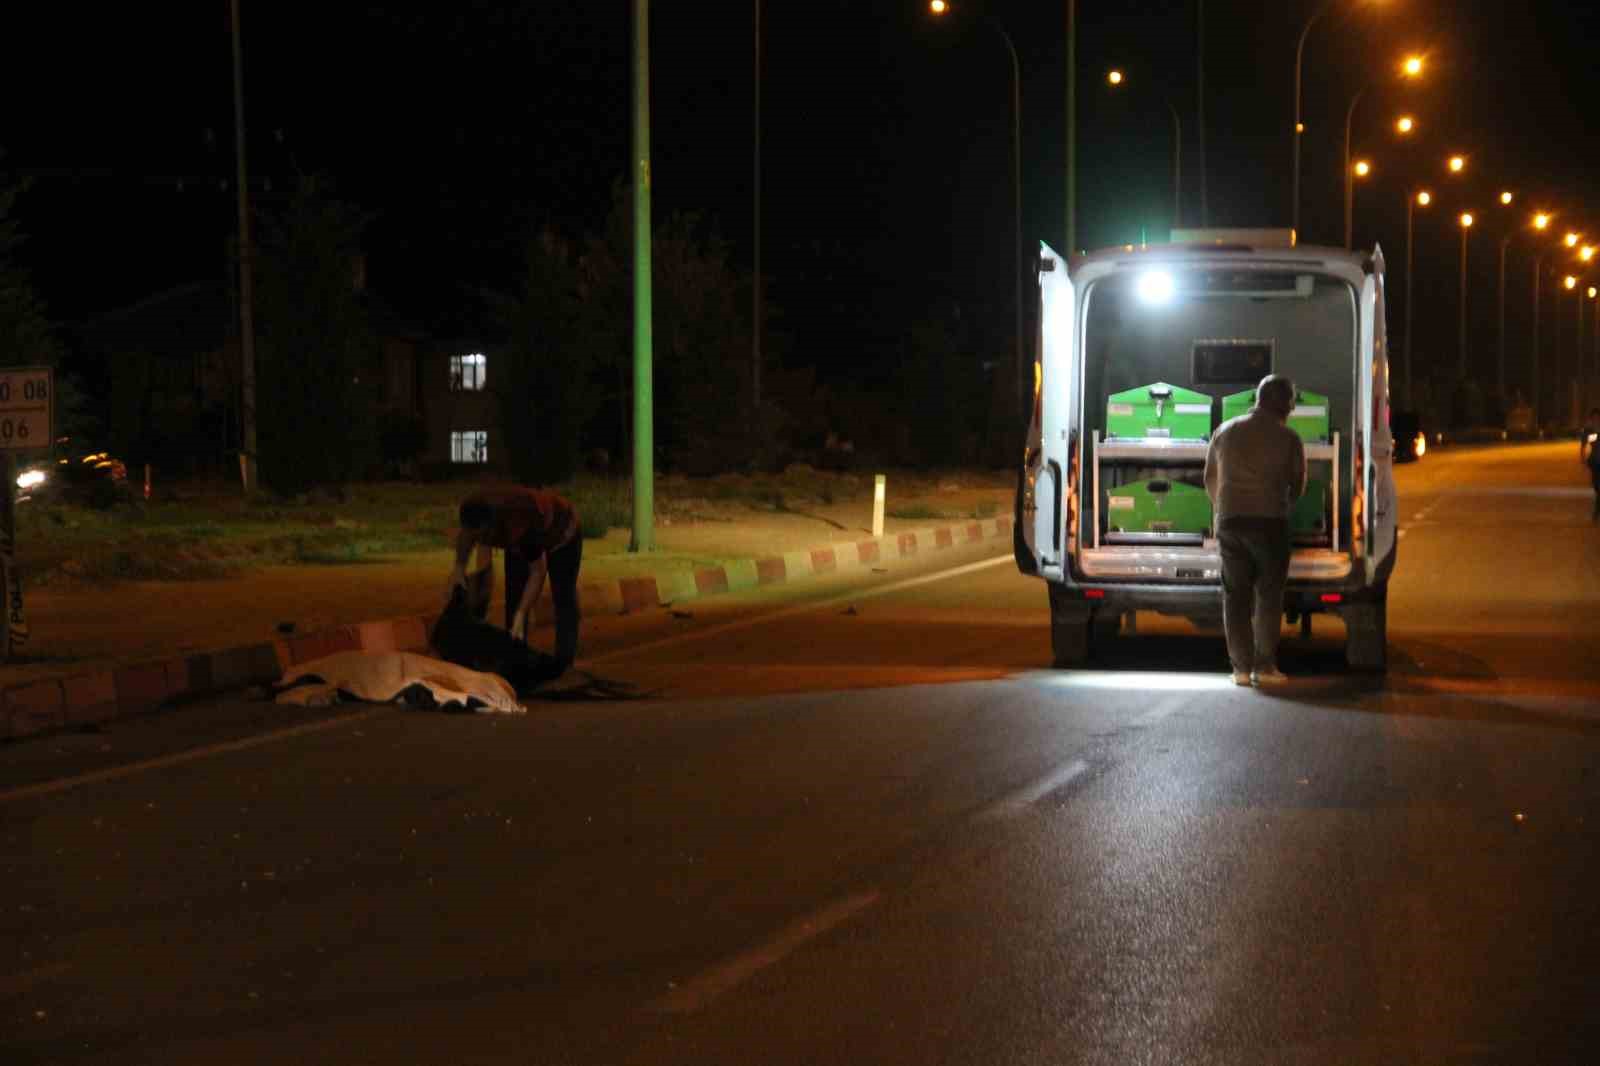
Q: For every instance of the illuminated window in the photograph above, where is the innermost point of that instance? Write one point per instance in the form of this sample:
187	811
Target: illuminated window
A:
467	372
469	445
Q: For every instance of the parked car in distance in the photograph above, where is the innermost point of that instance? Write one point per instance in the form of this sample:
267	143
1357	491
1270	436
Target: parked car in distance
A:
1410	442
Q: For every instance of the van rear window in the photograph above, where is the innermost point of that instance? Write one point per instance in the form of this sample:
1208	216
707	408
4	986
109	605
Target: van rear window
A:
1231	362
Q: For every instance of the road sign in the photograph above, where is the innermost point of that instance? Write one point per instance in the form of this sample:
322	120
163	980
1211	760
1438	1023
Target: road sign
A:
27	394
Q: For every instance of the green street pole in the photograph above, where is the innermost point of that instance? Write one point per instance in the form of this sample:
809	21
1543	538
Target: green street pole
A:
644	533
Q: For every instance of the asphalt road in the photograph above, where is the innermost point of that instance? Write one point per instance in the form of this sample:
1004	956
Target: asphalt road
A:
859	823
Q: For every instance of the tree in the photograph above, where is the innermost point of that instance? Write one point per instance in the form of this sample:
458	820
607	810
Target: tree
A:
542	378
701	331
316	349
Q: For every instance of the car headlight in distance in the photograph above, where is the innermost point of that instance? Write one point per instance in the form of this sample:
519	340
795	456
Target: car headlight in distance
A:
1422	445
1156	288
30	478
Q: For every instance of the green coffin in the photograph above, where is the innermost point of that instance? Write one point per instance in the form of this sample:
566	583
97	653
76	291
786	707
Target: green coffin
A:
1309	417
1158	411
1158	506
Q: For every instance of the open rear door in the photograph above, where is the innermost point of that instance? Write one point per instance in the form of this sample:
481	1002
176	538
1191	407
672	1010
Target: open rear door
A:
1048	473
1377	440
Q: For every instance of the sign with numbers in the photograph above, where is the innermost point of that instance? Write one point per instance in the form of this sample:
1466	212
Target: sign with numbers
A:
27	395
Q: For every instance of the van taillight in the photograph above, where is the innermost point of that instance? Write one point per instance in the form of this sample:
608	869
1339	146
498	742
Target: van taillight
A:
1331	597
1094	594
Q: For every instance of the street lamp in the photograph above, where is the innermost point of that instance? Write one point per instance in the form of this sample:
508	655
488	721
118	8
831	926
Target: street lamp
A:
1115	78
1404	124
1461	358
1420	198
940	7
1571	240
1506	198
1408	69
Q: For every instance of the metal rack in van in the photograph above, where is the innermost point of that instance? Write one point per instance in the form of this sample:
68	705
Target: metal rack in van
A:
1161	452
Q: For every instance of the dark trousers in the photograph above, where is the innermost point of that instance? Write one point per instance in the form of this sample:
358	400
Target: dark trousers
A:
1594	479
1255	567
562	575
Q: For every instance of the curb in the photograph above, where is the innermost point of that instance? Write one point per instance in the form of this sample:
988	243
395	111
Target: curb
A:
86	699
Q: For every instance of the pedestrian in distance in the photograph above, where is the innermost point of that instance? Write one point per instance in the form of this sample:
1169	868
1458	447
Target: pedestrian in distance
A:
538	533
1255	471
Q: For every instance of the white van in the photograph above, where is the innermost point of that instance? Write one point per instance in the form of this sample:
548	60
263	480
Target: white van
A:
1143	353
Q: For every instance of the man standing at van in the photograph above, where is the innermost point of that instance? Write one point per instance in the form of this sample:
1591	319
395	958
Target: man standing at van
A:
538	532
1255	471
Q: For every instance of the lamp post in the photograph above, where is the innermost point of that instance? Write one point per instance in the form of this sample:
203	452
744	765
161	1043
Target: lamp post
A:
1500	299
1533	362
1461	358
247	331
755	281
1299	126
644	536
1571	284
1410	68
940	7
1116	78
1420	198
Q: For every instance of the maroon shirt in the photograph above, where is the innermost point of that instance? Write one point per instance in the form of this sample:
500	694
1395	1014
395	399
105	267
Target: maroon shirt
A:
530	522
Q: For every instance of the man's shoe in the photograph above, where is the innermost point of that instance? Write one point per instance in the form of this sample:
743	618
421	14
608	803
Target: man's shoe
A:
1271	677
1241	678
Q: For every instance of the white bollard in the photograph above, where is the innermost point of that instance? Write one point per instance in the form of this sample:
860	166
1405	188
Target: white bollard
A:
877	505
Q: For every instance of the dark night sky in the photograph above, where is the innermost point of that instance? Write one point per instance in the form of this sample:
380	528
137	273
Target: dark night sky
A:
886	135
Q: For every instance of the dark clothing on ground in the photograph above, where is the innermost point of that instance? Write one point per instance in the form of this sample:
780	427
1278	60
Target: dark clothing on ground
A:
1255	567
465	640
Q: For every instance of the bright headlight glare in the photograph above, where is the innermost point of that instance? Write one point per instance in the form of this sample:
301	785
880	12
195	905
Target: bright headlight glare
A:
30	478
1156	287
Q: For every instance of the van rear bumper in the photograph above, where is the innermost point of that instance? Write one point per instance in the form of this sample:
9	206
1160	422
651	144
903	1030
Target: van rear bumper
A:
1200	567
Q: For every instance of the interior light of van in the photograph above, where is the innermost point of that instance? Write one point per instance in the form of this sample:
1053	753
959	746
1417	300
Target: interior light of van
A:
1156	287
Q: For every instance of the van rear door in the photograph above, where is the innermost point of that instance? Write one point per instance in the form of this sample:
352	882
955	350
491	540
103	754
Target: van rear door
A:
1048	473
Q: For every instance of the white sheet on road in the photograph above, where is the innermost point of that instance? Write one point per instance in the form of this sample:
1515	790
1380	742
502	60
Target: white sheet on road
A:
380	676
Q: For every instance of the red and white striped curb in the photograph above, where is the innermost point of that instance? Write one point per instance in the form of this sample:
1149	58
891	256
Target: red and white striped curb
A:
43	706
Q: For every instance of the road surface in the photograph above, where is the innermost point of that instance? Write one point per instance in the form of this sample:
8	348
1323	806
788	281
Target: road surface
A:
858	822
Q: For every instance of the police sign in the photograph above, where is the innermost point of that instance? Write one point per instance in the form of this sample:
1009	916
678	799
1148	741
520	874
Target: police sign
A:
26	397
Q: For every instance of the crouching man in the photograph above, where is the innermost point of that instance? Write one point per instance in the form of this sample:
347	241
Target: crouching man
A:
539	534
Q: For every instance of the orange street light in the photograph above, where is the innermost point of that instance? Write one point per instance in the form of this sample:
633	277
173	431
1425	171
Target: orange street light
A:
1457	164
1363	168
1506	197
1541	220
1570	282
1412	67
1571	240
1466	219
1586	253
1404	124
1424	198
938	7
1593	292
1114	77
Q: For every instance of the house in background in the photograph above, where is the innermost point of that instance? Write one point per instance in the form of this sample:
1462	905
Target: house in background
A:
165	374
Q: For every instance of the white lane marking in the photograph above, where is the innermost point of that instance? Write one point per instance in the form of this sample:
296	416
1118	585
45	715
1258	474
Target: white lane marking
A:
178	758
700	990
1026	796
798	609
